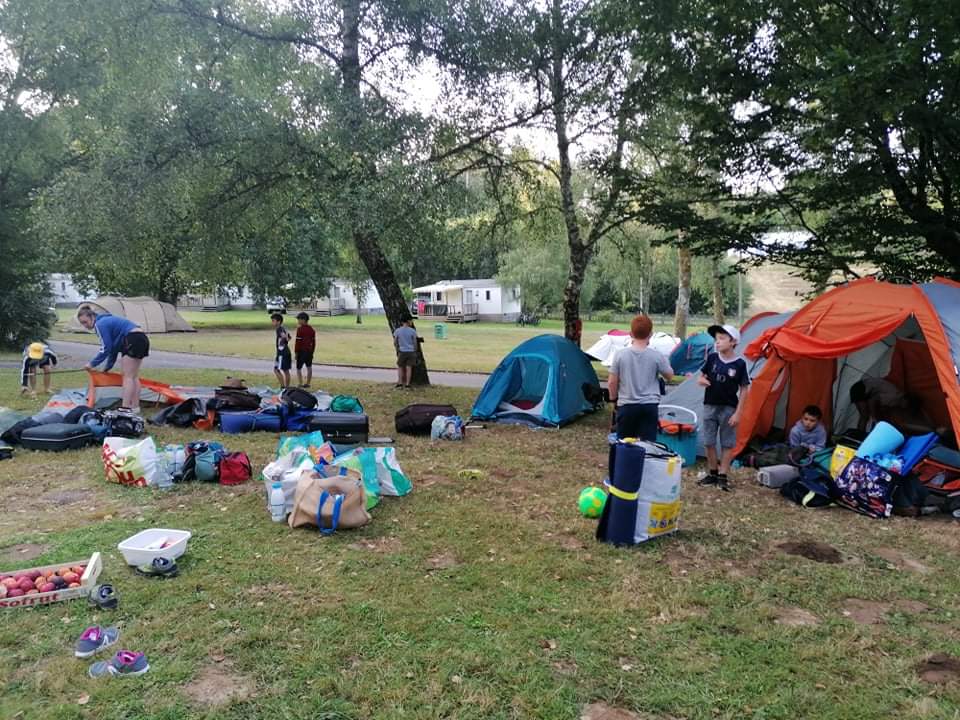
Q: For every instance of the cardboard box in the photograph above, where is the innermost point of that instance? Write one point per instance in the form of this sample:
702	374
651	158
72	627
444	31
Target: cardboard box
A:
87	582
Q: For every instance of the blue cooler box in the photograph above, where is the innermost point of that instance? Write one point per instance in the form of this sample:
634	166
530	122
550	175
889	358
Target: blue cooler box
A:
682	443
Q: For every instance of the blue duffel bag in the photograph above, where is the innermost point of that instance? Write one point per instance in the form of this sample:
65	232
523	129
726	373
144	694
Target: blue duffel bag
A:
271	419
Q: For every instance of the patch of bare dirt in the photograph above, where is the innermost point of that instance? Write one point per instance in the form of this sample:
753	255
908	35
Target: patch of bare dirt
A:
865	612
218	685
911	606
902	561
23	552
443	561
812	550
67	497
939	669
569	542
602	711
426	480
564	667
384	545
795	617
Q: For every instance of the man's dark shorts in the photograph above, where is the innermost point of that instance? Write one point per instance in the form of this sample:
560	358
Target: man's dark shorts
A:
406	359
136	345
283	361
304	358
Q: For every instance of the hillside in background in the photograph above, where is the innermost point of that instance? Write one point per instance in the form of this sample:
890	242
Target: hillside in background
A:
775	289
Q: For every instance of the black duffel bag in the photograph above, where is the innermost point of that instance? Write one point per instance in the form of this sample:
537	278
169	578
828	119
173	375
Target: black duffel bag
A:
416	419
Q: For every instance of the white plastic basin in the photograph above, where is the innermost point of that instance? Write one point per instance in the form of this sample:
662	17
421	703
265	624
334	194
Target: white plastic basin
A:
142	548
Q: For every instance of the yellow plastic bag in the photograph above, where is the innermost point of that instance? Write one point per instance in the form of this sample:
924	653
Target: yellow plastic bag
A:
838	461
656	519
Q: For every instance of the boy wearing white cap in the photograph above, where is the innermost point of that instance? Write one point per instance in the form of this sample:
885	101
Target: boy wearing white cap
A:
36	355
725	379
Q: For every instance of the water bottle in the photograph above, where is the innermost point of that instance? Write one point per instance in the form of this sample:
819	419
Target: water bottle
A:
164	473
277	503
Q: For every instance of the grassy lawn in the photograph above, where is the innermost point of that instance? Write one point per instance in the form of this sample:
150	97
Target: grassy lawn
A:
482	598
473	347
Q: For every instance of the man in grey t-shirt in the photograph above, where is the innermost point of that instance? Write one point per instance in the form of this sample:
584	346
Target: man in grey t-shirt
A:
405	342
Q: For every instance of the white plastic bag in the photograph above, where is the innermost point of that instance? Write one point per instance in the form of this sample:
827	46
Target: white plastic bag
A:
129	461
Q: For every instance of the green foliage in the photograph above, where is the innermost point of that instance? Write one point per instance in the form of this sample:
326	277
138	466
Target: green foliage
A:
843	118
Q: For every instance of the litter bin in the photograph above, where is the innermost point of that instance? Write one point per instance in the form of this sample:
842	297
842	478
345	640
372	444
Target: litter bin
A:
440	331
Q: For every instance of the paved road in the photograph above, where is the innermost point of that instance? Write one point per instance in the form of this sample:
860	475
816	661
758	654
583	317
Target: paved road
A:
74	355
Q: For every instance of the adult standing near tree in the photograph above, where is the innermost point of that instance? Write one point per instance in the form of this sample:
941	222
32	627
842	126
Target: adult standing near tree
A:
634	383
118	336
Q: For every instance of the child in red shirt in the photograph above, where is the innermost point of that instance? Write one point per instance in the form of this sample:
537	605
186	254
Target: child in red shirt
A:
304	344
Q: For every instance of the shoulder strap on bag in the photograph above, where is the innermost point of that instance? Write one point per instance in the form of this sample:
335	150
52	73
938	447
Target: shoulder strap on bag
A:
335	515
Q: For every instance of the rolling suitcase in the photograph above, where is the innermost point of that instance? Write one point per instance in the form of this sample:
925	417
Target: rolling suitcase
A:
57	436
342	428
418	418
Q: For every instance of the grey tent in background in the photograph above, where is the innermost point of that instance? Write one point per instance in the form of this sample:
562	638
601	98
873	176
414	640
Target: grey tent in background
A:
151	315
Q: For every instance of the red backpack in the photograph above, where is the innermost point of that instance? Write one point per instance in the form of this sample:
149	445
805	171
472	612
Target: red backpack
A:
235	468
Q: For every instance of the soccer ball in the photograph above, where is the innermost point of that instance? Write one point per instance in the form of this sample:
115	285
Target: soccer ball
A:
591	502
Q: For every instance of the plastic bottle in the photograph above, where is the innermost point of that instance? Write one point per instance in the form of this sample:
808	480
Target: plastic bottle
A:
277	503
164	473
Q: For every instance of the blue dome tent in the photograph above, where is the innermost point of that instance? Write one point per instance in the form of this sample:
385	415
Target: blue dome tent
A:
690	355
540	383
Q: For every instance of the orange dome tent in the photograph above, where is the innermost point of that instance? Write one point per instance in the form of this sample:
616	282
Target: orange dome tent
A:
909	334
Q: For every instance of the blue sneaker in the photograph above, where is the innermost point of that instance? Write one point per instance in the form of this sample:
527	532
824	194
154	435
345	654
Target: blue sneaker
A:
94	639
124	662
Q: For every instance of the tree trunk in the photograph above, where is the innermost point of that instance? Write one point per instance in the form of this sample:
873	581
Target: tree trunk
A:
368	247
685	261
718	314
580	252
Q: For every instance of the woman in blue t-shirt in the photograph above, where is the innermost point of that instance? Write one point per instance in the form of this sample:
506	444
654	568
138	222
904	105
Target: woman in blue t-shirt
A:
118	336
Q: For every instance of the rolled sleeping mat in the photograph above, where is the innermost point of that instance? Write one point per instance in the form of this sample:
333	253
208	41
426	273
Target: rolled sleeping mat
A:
883	439
775	476
618	523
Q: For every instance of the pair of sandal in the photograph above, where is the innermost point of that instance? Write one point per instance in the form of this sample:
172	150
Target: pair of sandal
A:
125	663
160	567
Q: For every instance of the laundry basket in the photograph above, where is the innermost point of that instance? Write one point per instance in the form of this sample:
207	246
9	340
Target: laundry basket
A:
678	430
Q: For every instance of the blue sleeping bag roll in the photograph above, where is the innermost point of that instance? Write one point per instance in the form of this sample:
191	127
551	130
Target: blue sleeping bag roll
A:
618	523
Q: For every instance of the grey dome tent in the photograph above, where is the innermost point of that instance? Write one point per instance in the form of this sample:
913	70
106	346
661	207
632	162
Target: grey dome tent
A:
152	315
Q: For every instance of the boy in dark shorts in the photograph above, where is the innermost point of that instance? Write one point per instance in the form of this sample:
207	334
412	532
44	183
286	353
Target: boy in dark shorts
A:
405	342
282	363
304	344
724	377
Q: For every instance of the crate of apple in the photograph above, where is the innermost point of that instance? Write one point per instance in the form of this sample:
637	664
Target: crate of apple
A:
51	583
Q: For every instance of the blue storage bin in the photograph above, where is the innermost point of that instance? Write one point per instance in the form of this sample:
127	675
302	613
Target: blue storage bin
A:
682	443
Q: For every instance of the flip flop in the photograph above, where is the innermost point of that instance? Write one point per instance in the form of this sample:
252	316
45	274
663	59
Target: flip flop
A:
160	567
124	664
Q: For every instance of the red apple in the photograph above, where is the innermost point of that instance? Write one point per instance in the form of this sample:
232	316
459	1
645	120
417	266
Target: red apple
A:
32	592
20	576
74	585
9	583
63	571
71	577
33	574
47	587
14	592
78	569
25	584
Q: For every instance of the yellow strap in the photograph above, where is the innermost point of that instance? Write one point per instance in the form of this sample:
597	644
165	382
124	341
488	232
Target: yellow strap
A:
623	495
671	464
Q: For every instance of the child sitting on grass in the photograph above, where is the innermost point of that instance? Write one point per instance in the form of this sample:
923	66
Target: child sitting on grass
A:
808	432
